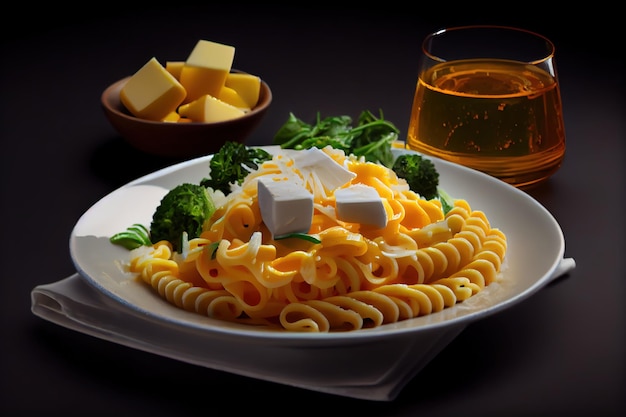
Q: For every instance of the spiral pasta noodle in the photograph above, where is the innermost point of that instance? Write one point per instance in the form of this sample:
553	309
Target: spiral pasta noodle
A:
356	276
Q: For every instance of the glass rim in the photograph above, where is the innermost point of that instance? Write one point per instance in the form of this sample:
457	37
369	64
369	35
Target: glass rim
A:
549	54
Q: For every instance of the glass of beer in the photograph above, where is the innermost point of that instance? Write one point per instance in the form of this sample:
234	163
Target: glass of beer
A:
488	97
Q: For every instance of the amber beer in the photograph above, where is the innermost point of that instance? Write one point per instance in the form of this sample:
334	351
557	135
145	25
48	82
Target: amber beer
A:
499	116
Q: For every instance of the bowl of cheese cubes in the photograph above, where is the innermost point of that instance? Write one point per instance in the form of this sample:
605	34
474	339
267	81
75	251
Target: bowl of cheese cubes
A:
187	108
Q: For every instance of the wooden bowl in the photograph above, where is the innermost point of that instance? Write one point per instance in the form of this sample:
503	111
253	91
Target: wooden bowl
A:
177	140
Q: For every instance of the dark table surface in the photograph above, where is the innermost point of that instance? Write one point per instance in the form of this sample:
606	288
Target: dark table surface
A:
560	352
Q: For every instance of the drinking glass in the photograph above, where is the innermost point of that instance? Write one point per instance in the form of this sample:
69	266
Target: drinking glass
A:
488	97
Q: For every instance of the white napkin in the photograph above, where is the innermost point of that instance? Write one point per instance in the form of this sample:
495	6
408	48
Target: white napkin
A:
73	303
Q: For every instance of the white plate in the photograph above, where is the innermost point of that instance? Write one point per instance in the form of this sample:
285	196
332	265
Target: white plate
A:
394	352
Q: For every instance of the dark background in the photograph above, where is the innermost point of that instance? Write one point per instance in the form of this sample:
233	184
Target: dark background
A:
561	352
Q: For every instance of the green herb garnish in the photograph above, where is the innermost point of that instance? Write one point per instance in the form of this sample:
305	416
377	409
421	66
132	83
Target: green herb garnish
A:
303	236
133	237
371	138
213	247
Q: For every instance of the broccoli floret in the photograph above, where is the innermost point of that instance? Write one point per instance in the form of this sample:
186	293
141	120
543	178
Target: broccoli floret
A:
184	208
232	164
420	173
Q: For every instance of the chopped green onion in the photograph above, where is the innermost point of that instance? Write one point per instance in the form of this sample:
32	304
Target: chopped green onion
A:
302	236
133	237
447	202
213	246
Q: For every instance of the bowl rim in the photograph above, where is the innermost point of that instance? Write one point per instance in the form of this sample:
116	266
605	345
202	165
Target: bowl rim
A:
111	102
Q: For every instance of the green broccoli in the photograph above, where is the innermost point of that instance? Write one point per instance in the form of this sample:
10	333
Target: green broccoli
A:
232	164
185	208
420	173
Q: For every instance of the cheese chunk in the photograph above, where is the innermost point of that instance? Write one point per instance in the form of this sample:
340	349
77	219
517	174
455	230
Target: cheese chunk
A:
248	87
173	117
285	207
206	69
233	98
315	162
152	93
360	203
209	109
174	68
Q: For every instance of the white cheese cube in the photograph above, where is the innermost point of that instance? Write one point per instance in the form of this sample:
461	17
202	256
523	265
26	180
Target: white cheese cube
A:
314	161
360	203
286	207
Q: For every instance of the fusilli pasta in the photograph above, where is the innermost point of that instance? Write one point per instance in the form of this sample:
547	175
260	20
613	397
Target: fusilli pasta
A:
357	276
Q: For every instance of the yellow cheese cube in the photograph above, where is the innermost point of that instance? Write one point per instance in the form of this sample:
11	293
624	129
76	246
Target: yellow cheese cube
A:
209	109
248	87
172	117
233	98
152	93
206	68
174	68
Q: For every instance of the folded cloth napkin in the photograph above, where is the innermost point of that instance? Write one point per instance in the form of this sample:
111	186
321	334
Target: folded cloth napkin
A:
73	303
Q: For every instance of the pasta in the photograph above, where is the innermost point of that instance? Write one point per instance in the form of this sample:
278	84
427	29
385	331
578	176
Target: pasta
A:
356	277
